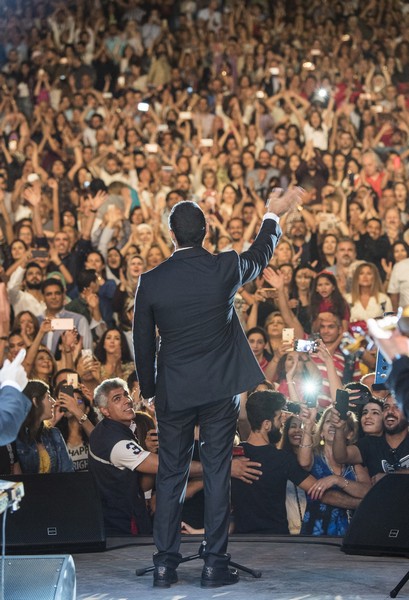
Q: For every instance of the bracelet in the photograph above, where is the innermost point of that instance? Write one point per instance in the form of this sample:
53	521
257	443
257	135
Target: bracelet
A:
306	446
4	338
346	483
93	210
82	420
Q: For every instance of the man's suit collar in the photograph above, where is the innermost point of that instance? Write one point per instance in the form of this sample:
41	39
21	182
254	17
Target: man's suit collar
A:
189	253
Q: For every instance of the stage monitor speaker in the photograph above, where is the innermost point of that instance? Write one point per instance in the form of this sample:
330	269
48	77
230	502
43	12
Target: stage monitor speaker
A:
39	578
380	525
60	512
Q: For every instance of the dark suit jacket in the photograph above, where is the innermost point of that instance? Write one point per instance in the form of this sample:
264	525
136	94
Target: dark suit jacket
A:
204	355
14	407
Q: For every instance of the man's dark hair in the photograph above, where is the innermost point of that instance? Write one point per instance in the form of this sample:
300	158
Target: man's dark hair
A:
97	185
85	278
52	281
188	223
180	193
32	264
374	219
262	406
259	330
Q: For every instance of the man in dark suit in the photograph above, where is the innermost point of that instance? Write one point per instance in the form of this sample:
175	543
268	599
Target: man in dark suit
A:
203	363
14	405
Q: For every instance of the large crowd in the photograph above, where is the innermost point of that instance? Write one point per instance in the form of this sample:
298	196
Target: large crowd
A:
110	114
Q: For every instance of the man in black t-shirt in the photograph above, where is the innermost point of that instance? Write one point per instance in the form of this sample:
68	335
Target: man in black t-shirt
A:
260	507
388	453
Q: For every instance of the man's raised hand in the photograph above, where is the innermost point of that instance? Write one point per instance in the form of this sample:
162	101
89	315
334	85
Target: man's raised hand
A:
280	202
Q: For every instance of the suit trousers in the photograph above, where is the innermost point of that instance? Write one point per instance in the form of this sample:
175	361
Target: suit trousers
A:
217	423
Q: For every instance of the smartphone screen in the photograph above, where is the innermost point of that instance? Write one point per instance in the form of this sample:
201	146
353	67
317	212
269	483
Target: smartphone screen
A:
342	403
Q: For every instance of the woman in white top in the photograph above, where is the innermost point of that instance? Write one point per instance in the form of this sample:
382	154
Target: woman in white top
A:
316	131
366	300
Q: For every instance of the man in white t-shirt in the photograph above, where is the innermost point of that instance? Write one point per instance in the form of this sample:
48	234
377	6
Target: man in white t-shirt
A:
398	288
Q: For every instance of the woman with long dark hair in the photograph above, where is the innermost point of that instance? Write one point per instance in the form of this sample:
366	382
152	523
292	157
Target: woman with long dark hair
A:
295	499
326	297
41	449
300	295
76	421
113	353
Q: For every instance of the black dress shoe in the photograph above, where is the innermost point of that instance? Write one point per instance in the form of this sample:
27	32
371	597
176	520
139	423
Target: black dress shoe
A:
217	577
164	577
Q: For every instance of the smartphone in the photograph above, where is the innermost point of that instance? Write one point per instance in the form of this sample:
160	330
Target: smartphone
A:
260	94
143	106
39	254
87	353
121	81
273	71
311	401
185	115
32	177
151	148
67	389
206	142
342	403
163	127
72	379
304	346
62	324
288	335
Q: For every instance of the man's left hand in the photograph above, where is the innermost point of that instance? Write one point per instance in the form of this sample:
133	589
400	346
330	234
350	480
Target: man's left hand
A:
245	469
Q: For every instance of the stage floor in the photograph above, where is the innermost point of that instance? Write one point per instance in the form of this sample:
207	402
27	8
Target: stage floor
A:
292	569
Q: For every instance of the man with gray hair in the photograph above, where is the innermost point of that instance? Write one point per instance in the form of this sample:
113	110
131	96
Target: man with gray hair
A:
122	469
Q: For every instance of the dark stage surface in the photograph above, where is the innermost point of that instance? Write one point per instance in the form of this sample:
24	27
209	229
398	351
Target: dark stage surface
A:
292	569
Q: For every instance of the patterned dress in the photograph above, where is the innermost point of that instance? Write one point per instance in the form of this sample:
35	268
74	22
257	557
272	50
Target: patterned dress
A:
321	518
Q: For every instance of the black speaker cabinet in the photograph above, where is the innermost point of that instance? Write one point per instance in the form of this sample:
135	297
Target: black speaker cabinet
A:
39	578
380	525
60	512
